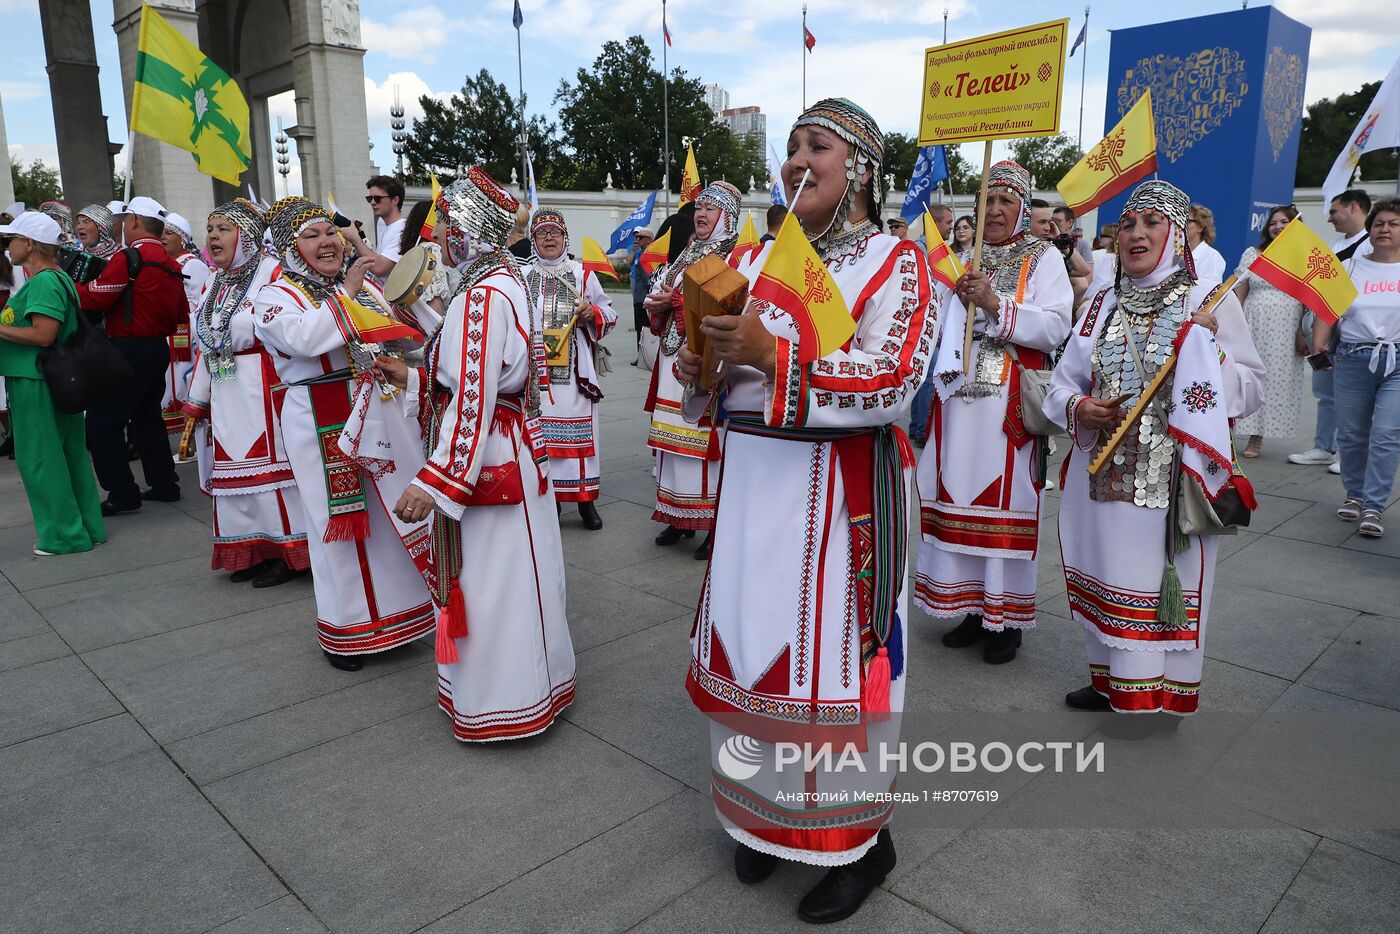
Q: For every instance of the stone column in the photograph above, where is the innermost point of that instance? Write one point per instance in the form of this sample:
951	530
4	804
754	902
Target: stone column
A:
84	160
160	170
332	130
7	187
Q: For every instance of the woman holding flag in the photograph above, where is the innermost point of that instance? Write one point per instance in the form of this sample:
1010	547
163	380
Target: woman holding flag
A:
982	472
687	454
259	529
568	301
799	634
1140	589
324	325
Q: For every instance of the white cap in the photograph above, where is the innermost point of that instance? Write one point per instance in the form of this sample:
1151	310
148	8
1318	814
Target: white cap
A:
116	207
14	210
179	223
37	227
142	206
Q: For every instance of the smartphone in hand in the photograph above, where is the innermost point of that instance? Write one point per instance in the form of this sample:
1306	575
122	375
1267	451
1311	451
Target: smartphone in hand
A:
1320	361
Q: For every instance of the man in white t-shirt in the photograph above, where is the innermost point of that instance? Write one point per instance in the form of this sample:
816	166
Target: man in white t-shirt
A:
385	196
1347	215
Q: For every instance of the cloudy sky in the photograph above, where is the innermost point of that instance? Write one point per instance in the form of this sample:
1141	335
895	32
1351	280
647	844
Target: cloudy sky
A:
869	51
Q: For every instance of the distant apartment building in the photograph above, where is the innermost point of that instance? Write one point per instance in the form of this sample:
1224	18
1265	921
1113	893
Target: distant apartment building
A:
747	121
717	97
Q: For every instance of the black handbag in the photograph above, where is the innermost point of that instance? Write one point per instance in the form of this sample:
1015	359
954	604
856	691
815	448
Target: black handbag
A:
83	369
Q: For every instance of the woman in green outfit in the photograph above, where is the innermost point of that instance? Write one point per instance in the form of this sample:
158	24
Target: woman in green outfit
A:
50	446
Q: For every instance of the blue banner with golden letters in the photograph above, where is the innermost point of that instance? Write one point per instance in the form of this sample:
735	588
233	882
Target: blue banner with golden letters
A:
1227	92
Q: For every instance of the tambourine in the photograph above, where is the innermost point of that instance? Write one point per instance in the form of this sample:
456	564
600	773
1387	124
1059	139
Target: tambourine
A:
412	275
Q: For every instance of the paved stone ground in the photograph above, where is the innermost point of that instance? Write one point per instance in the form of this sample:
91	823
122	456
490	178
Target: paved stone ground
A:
175	755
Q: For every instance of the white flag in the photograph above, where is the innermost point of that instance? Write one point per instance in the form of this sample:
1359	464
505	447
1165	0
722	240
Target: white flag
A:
532	200
1379	129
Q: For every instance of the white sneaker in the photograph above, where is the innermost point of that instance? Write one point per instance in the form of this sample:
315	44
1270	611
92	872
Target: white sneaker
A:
1335	467
1315	456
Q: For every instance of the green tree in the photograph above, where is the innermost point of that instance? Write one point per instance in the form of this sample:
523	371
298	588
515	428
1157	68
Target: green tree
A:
1047	158
1327	128
479	126
35	184
610	118
901	152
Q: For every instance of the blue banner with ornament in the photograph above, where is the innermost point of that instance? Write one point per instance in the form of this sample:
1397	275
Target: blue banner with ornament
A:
1227	92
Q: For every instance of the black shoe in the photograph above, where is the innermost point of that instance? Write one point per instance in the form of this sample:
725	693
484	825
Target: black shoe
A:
7	449
589	514
1000	647
842	890
272	573
110	508
168	496
968	632
1087	699
703	552
670	535
344	662
245	575
751	866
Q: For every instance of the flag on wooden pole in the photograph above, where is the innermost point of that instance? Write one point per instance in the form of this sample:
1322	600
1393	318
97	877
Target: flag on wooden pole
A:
595	259
748	242
1124	157
796	280
690	180
943	263
430	222
656	253
1299	264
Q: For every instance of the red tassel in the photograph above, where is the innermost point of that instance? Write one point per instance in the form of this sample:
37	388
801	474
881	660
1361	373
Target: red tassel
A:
456	613
347	527
1246	491
446	646
875	698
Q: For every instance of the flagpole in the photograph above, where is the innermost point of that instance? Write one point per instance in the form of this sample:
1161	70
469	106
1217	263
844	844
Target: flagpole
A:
520	76
1083	68
804	56
130	144
665	114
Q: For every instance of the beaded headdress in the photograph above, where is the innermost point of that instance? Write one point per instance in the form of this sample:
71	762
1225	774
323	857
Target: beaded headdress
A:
477	210
248	218
1173	204
725	197
63	215
288	218
1014	179
548	219
850	122
106	223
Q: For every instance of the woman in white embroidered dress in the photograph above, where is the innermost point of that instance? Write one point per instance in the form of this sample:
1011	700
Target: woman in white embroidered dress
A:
259	530
981	473
799	626
505	659
561	290
687	455
1141	597
370	596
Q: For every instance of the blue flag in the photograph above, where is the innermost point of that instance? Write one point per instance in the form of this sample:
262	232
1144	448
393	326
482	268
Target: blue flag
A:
1083	34
622	237
517	17
775	175
930	168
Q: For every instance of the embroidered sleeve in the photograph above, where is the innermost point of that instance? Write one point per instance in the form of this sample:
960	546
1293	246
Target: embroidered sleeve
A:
287	322
1070	384
196	404
1043	319
102	293
866	384
472	348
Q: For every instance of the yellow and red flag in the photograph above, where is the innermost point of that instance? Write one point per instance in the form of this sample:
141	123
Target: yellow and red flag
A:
430	222
656	253
1124	157
690	179
1301	265
595	259
374	328
796	280
943	263
748	239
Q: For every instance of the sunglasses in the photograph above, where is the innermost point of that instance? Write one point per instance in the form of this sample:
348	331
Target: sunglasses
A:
374	199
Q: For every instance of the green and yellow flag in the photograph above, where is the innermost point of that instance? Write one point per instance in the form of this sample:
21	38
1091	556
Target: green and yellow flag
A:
184	99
